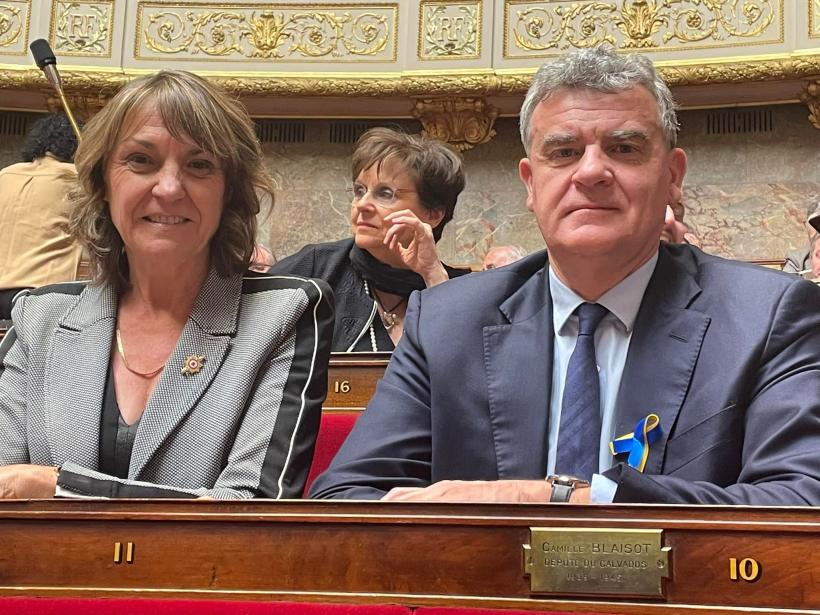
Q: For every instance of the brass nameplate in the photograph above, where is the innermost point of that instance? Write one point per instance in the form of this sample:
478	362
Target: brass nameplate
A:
599	562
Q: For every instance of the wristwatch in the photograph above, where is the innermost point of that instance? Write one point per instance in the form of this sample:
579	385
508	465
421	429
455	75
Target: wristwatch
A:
563	486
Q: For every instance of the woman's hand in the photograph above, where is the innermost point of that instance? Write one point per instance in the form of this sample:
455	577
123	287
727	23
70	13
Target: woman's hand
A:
27	481
412	240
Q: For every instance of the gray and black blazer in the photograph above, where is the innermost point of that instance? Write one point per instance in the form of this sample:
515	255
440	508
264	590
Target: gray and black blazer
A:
243	427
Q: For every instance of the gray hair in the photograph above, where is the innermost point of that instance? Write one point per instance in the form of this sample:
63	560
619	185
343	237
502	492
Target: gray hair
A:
599	68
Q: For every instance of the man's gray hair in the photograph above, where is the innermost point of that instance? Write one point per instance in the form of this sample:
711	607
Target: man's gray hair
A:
599	68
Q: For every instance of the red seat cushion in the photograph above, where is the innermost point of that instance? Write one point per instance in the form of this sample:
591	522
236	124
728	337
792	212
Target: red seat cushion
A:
332	433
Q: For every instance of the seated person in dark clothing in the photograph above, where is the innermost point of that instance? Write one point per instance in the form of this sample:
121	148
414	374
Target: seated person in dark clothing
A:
405	189
799	261
814	274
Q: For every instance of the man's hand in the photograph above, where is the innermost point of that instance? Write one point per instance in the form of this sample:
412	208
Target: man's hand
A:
509	491
26	481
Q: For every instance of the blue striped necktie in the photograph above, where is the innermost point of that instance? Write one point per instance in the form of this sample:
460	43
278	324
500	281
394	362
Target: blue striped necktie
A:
579	434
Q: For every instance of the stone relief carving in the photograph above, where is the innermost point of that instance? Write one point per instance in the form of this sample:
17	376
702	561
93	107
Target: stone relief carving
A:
811	98
344	32
536	27
449	30
461	122
82	28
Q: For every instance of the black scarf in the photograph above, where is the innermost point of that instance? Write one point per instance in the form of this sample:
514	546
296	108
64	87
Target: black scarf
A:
383	277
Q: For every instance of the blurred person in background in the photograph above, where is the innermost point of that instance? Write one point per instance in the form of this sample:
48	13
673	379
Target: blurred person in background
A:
405	189
675	230
815	260
35	246
502	255
261	259
799	261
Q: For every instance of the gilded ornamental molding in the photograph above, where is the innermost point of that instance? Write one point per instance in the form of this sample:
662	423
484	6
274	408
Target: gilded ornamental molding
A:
218	32
15	16
811	97
535	28
84	106
461	122
814	18
449	30
469	83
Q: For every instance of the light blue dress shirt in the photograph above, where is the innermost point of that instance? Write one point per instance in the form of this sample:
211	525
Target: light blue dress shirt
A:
611	346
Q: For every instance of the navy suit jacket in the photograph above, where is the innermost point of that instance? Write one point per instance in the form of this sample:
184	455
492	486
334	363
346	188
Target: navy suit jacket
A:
726	354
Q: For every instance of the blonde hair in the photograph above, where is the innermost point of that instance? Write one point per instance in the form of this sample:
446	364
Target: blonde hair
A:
191	108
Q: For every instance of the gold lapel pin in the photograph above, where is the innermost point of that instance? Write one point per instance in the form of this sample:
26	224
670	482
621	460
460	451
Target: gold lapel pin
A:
193	364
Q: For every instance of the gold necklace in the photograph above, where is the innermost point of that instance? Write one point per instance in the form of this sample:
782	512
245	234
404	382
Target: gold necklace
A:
121	350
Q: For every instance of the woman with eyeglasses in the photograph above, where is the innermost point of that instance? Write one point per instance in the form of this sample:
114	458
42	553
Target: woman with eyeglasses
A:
404	192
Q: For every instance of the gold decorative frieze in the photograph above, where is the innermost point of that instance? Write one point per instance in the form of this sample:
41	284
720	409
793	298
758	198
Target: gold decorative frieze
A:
82	28
449	30
537	29
263	32
811	97
14	23
83	106
455	83
461	122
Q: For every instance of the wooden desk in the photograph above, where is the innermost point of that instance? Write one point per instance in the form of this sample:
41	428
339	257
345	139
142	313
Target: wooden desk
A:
352	379
394	553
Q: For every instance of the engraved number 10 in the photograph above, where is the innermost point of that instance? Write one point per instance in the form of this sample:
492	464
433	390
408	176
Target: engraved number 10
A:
747	569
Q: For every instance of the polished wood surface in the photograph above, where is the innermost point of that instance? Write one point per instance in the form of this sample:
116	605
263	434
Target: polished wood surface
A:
410	554
352	379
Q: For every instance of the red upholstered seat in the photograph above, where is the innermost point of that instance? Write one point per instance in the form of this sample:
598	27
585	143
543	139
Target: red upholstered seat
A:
332	433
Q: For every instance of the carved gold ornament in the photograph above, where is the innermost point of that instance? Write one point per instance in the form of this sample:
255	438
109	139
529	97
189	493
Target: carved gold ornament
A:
537	27
461	122
84	106
811	97
449	30
14	23
277	31
442	84
82	28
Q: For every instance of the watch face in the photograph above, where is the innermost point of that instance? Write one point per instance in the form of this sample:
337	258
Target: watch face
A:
568	481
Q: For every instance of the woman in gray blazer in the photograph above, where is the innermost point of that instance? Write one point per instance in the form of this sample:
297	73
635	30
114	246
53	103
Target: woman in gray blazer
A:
172	374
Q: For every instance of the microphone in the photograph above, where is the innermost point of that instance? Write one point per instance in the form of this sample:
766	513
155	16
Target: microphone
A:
47	62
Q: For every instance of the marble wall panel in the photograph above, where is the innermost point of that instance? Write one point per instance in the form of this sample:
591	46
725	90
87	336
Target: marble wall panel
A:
746	194
750	221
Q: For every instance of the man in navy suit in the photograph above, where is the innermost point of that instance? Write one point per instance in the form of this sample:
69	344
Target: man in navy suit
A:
709	368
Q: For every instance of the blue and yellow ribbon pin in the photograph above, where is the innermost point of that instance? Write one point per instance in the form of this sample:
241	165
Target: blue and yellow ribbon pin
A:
637	443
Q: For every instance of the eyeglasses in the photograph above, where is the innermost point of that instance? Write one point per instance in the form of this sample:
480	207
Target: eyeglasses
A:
383	195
